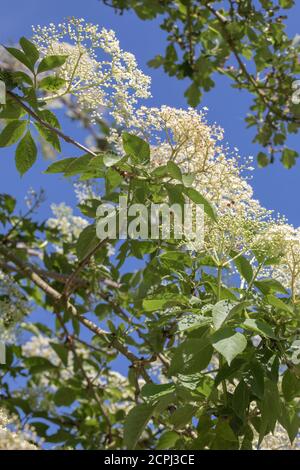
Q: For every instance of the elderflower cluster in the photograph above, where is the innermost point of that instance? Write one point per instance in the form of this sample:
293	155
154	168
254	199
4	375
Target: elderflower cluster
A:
287	271
68	225
12	437
85	190
185	137
97	71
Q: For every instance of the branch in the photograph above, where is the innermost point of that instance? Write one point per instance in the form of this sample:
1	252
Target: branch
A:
72	279
35	116
27	271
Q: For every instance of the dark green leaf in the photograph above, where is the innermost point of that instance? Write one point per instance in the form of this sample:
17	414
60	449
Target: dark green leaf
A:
26	154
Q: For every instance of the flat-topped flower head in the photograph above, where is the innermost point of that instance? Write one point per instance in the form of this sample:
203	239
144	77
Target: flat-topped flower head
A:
97	71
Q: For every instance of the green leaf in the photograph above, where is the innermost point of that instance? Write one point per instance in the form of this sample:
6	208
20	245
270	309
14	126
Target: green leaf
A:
193	95
52	83
136	147
64	396
86	242
262	160
288	158
278	303
167	440
78	166
12	110
51	62
111	159
49	117
12	133
26	154
229	343
225	438
151	305
196	197
30	50
270	409
49	136
259	327
61	166
21	57
113	179
243	266
135	423
220	312
192	321
290	385
61	351
286	3
240	399
156	391
182	416
255	379
174	171
191	356
267	286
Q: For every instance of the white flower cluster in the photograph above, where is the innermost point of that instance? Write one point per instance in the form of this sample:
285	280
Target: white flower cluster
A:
97	71
185	137
69	225
85	190
182	136
12	437
287	271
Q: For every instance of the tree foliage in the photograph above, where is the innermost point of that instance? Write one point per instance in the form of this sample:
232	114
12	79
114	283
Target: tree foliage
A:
247	42
207	335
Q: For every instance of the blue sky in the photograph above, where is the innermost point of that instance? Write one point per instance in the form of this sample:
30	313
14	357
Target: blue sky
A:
276	187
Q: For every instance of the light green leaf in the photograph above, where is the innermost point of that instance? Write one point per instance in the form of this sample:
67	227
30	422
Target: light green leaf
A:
267	286
221	311
21	57
243	266
110	159
12	133
229	343
60	166
151	305
278	303
191	321
51	62
52	83
30	50
174	171
196	197
136	147
259	327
